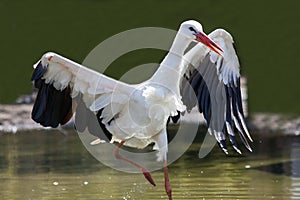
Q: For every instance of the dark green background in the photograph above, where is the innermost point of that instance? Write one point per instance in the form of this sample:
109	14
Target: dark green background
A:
266	34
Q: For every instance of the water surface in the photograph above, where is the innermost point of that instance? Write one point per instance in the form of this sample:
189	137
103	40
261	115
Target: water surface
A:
51	165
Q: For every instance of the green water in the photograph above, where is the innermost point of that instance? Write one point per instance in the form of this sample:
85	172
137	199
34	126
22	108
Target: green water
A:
266	34
51	165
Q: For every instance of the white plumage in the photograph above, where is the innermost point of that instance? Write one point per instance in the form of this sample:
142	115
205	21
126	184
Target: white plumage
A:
136	115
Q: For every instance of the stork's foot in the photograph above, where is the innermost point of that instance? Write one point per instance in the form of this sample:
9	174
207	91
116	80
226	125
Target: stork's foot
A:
167	182
145	171
148	176
168	190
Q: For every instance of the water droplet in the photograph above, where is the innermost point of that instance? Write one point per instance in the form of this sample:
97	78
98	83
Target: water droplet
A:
55	183
247	166
85	183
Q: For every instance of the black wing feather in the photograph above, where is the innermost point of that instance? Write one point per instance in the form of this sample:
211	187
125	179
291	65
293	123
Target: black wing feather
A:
198	86
51	106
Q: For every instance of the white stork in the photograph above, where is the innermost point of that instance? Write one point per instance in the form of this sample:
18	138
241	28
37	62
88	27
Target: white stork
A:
214	81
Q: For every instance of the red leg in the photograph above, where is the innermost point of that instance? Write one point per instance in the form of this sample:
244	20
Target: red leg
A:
143	169
167	182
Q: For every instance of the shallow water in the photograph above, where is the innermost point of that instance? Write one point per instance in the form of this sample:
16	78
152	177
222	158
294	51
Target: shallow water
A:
51	165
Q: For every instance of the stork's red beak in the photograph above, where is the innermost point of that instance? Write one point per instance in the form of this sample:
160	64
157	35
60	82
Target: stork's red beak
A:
201	37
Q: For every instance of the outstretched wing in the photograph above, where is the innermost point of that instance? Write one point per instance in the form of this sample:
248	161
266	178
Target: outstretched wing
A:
213	83
59	80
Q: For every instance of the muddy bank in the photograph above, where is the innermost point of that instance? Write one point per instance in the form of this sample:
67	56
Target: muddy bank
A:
268	122
17	117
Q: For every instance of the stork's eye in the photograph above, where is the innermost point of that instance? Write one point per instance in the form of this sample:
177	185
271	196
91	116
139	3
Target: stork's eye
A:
192	29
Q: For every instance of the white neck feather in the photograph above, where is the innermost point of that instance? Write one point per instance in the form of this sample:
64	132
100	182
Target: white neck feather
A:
171	68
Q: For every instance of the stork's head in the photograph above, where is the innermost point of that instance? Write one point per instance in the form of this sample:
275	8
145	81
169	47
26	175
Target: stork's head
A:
194	31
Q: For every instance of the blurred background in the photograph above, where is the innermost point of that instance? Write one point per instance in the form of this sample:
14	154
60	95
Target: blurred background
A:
266	35
37	165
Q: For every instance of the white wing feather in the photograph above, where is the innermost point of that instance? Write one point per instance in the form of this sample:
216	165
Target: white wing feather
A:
62	72
96	90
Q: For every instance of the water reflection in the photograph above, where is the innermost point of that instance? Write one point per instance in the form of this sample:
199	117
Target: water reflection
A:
285	147
284	168
295	170
44	152
50	165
